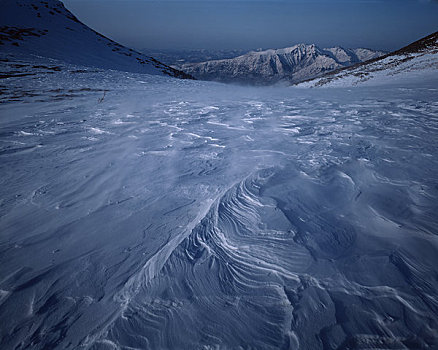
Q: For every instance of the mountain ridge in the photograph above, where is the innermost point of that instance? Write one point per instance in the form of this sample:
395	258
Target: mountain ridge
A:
290	64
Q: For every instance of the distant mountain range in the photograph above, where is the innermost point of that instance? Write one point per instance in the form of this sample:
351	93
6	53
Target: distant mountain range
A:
417	61
47	28
290	65
175	57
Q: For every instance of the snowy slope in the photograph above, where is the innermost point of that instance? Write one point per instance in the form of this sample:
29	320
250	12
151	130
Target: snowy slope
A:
146	212
415	62
292	64
47	28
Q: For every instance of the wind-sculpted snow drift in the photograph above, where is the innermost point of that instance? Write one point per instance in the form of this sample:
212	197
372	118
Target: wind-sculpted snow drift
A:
144	212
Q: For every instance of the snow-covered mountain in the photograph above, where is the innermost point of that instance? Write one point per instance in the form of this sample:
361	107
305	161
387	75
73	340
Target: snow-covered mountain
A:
292	64
412	63
46	28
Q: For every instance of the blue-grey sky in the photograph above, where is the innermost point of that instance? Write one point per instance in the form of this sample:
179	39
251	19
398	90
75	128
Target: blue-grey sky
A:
228	24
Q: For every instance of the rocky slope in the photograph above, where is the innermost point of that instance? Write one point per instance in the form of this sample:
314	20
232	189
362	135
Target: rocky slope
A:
417	61
47	28
291	65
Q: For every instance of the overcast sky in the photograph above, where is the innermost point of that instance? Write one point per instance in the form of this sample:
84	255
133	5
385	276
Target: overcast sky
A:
250	24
